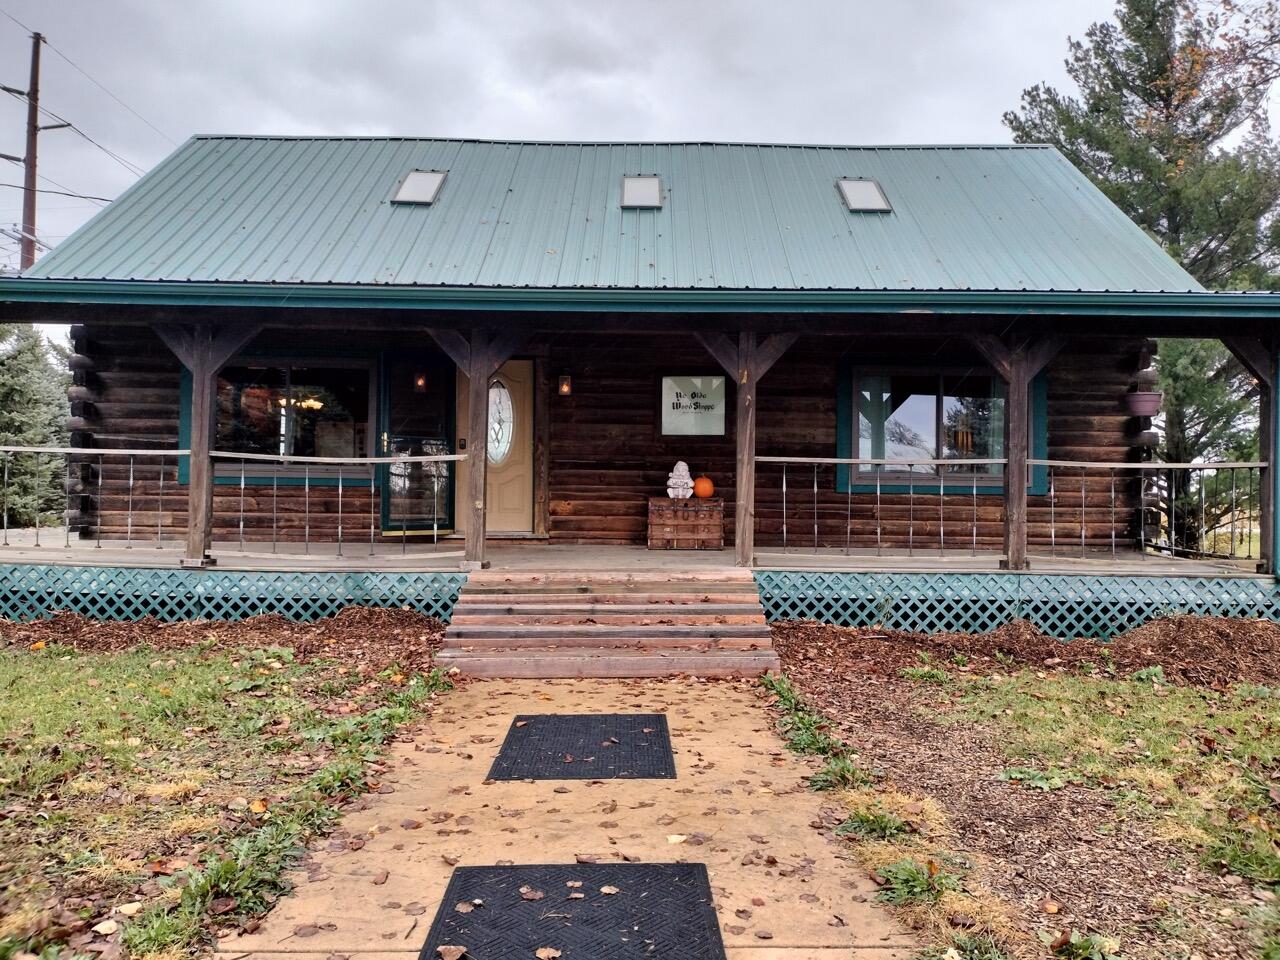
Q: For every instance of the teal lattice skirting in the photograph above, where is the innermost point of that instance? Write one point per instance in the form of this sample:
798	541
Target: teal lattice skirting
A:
1061	605
29	591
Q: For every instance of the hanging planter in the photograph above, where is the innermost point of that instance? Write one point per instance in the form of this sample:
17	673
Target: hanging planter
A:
1143	403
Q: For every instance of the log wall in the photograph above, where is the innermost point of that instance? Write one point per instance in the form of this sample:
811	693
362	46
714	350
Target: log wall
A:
606	456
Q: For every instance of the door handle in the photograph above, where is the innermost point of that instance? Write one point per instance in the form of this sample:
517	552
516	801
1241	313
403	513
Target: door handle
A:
384	441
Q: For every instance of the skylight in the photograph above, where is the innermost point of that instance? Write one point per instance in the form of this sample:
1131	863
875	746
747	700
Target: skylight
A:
863	195
643	191
420	186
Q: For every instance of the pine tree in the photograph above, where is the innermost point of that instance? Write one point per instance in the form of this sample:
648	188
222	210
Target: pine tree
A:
32	413
1169	120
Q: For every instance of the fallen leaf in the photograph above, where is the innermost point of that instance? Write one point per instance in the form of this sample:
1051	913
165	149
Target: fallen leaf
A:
258	806
528	893
222	905
380	878
1050	906
39	645
106	927
464	906
129	909
573	884
677	838
546	953
451	953
305	930
609	891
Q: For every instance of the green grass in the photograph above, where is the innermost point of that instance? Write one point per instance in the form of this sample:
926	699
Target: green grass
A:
808	734
1204	764
120	759
925	675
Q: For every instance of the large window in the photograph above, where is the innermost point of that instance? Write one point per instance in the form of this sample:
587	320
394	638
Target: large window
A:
306	411
929	416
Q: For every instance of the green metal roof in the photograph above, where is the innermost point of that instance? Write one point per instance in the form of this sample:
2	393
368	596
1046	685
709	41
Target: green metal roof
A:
750	217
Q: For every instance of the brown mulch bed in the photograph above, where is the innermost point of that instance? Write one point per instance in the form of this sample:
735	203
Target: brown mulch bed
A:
1200	651
1069	845
366	638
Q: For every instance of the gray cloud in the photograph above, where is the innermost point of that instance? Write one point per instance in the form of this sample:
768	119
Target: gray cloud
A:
912	71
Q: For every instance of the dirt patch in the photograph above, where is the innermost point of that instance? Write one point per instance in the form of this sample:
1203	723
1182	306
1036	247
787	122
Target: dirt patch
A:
364	638
1105	871
1213	652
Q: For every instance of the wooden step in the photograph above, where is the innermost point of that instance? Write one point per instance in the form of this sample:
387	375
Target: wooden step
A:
516	617
665	599
618	640
535	631
604	662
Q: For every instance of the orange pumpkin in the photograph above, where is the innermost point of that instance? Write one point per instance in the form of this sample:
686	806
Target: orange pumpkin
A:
703	487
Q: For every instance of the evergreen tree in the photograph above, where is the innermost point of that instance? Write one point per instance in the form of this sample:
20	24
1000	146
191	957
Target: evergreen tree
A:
1169	120
33	410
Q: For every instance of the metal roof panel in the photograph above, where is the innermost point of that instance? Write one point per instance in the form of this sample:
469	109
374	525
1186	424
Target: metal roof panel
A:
548	215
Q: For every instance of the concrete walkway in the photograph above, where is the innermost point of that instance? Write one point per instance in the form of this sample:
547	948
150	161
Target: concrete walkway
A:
739	805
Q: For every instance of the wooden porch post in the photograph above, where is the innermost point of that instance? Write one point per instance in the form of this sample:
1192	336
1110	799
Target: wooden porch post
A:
1017	363
479	357
203	349
746	361
1260	359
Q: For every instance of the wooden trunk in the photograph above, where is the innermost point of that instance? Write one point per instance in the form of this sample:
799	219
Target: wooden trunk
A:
690	524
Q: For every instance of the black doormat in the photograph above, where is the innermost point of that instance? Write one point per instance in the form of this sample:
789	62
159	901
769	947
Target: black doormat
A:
593	746
595	911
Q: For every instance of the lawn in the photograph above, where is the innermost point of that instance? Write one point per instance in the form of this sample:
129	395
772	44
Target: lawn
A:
1019	797
158	783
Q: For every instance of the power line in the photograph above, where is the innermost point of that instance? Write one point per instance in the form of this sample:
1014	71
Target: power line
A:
129	165
97	83
63	186
60	193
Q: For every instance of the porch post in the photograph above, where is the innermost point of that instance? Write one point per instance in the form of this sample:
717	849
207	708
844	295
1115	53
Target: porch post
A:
1260	359
1016	362
746	361
203	349
744	487
479	356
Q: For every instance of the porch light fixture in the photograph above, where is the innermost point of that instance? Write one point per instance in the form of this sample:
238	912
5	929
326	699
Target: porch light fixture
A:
642	192
419	383
420	186
863	195
565	385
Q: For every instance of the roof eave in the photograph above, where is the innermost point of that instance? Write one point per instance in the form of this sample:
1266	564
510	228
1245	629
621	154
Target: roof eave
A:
638	300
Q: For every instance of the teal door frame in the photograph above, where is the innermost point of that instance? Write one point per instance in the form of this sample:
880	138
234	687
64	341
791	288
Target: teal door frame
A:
384	469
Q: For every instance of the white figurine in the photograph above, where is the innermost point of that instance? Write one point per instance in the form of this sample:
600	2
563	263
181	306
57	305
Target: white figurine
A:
679	482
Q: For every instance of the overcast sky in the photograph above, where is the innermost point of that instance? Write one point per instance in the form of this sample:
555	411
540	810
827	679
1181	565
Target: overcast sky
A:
845	71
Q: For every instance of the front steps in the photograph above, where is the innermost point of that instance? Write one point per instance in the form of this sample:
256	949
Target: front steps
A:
651	624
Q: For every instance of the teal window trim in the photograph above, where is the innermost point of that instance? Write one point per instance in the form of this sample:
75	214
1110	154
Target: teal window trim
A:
257	479
1039	483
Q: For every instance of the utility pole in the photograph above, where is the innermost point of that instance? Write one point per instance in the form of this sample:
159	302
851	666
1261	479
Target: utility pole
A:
32	95
29	160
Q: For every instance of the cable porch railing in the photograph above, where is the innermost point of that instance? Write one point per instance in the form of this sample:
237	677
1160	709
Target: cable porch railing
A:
133	498
1209	510
884	486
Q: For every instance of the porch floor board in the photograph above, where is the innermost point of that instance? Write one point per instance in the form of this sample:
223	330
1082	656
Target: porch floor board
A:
546	556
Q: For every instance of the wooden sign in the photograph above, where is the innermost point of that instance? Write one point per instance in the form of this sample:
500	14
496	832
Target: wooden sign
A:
693	406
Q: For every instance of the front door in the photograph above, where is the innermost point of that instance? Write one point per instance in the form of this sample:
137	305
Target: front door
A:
417	418
508	446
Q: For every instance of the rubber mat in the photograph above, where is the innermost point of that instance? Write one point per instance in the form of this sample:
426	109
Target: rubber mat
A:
597	746
592	911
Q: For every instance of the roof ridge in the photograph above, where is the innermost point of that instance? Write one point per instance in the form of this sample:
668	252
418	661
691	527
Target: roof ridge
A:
624	143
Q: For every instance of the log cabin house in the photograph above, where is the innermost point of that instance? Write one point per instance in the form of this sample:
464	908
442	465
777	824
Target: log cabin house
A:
876	354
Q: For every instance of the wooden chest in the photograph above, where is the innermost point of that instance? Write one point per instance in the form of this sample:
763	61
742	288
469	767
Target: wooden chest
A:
693	524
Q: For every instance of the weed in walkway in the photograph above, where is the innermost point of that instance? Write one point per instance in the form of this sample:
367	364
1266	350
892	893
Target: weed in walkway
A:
966	947
839	773
909	882
872	825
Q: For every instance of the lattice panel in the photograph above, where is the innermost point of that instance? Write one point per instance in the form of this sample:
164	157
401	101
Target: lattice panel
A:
32	591
1061	605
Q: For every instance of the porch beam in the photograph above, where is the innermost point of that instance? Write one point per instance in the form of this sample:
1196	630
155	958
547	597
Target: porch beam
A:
203	349
487	351
454	344
1259	359
1017	361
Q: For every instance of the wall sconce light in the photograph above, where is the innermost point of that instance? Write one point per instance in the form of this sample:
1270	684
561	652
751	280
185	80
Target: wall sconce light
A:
419	383
565	386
